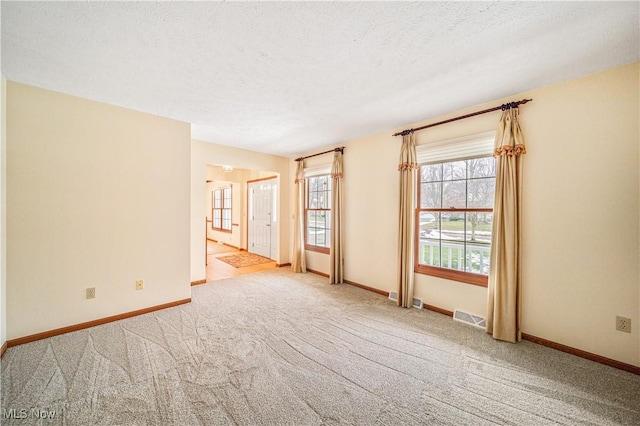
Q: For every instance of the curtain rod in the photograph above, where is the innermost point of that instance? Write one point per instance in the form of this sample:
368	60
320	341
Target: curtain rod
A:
341	149
503	107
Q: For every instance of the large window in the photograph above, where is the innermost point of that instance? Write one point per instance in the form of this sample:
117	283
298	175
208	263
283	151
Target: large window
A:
221	203
318	213
454	219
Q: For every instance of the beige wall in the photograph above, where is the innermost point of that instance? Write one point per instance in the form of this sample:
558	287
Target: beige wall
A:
97	196
257	165
581	204
3	212
581	213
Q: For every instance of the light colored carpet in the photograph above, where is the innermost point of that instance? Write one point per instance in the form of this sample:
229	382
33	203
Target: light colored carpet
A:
277	348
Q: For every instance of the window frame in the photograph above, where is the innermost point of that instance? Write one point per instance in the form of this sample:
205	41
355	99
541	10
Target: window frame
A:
437	271
307	245
222	209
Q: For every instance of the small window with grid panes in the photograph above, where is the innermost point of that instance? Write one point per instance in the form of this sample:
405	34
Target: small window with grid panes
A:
221	206
318	213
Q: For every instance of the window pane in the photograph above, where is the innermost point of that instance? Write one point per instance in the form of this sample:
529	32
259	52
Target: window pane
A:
322	224
311	230
481	167
479	227
322	199
454	170
453	255
313	184
320	219
480	193
217	223
322	183
429	252
430	195
452	226
325	187
319	192
321	237
431	172
313	200
429	226
327	224
217	199
454	194
478	259
317	233
227	198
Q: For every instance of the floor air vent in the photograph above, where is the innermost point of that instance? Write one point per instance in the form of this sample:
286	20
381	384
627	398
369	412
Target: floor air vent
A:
470	319
417	303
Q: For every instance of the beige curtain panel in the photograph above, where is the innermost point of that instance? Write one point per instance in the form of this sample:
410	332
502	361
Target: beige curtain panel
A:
408	173
298	263
336	267
505	275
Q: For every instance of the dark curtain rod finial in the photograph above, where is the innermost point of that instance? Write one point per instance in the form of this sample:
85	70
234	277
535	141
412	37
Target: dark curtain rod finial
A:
510	105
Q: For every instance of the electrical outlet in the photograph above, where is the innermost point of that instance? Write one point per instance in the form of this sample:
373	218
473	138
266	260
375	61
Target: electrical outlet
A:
623	324
140	285
91	293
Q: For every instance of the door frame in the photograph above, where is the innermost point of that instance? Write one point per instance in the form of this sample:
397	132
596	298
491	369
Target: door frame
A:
247	210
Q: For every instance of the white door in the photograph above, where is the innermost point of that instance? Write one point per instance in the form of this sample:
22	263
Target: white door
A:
261	221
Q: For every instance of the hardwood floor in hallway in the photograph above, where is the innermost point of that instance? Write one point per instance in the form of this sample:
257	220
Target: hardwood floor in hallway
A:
217	270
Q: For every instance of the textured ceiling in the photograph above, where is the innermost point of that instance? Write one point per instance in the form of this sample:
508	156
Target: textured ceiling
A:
292	77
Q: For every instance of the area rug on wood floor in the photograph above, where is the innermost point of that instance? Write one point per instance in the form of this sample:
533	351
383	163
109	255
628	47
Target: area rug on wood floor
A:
242	260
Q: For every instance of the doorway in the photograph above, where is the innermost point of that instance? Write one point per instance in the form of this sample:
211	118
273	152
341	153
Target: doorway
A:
228	198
